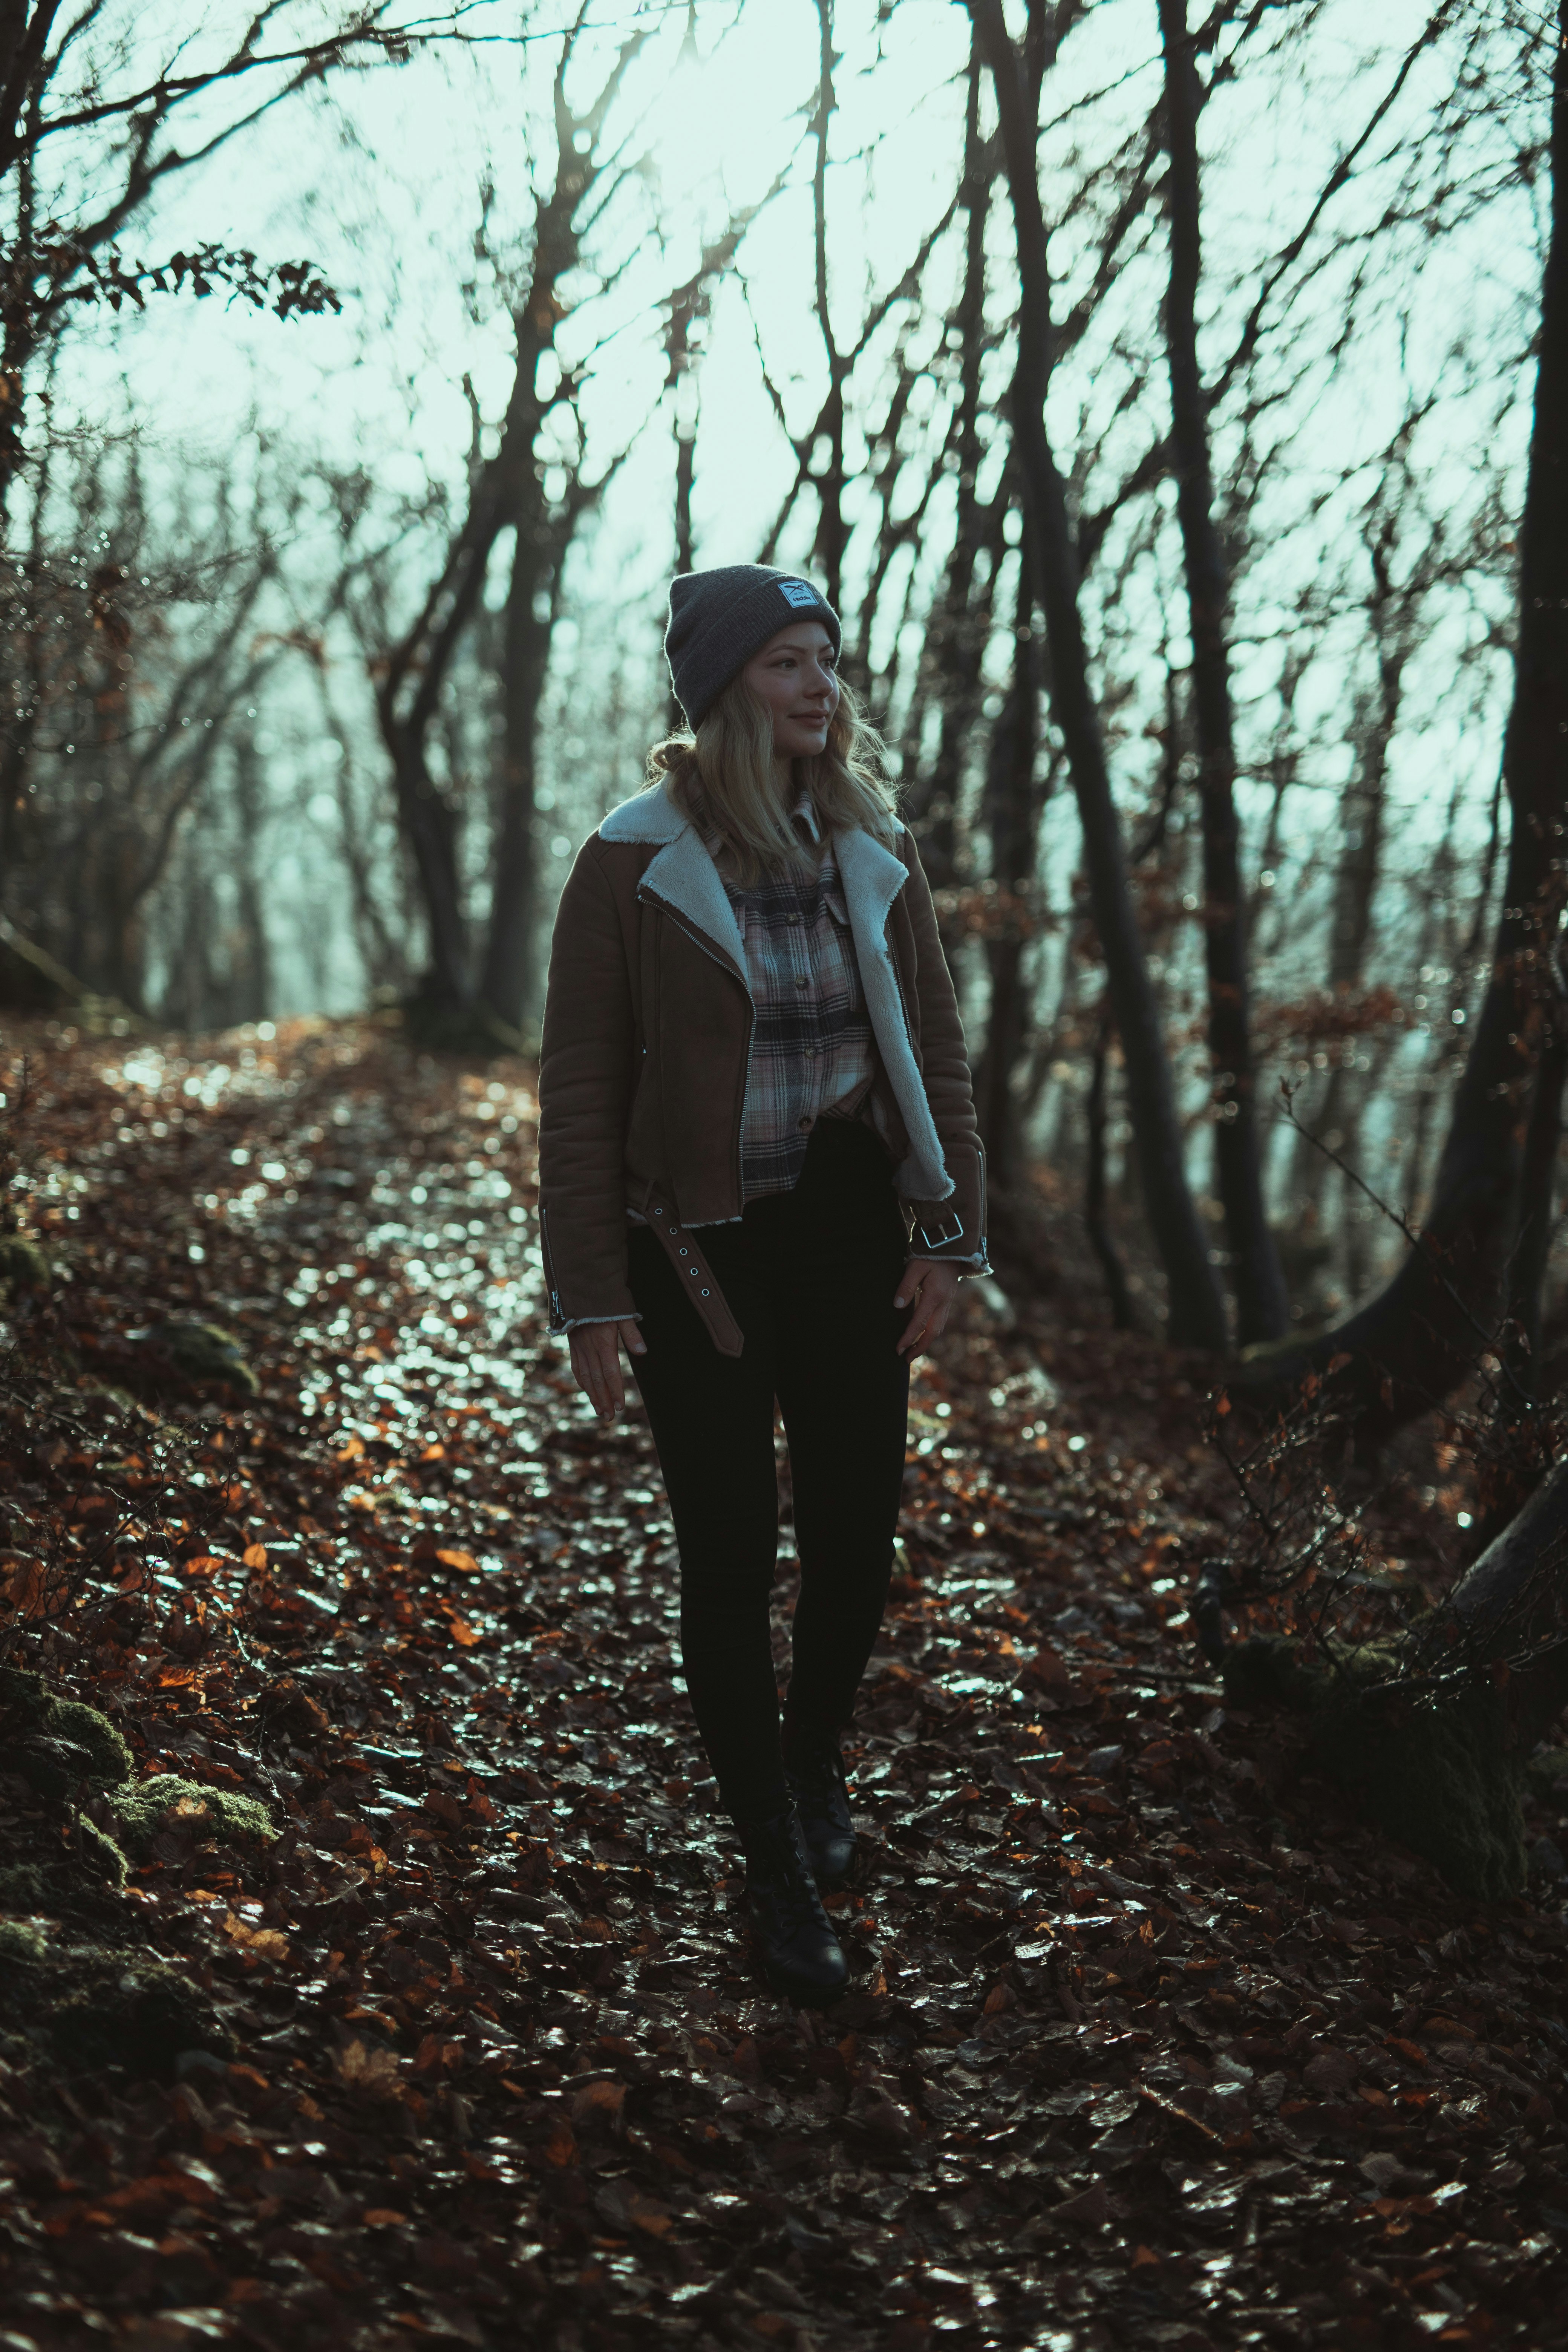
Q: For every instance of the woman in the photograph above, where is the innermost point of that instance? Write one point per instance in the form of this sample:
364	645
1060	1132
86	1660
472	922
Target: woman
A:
753	1093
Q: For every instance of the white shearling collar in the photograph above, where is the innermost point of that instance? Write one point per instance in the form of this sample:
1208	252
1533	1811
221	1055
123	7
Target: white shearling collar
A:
651	817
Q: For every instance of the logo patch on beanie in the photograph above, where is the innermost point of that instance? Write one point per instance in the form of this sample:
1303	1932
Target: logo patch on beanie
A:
798	593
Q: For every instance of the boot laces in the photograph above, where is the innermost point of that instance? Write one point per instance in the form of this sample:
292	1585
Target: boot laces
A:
819	1775
783	1869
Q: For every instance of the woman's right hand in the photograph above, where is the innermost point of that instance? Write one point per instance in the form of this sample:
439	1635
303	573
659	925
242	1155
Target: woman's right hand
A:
596	1362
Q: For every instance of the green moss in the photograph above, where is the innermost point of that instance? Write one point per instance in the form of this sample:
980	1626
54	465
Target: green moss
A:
85	1728
24	1887
136	2014
22	1265
56	1743
1436	1773
205	1355
103	1857
103	2005
22	1942
1545	1769
216	1814
470	1032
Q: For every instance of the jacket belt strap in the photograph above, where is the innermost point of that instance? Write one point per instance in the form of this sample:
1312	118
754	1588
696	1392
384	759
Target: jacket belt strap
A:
697	1278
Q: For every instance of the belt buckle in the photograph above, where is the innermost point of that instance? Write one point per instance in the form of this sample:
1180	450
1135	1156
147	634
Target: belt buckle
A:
943	1238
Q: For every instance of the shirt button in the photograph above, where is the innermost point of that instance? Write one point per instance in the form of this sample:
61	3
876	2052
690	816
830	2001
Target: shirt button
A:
803	983
804	1126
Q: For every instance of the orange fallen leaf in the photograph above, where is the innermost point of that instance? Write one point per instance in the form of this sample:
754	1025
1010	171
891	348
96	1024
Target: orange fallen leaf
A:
601	2098
267	1943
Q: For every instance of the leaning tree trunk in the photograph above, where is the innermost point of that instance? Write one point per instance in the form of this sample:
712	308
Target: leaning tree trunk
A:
1197	1315
1513	1605
1414	1344
1432	1731
1262	1306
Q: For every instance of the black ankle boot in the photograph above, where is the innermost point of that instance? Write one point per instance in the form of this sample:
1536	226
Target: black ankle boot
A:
815	1771
800	1952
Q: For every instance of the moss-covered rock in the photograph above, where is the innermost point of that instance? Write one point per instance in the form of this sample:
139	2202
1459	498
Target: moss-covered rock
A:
104	1860
103	2005
23	1264
137	2014
24	1887
203	1355
1436	1772
57	1743
467	1031
1547	1771
167	1800
23	1942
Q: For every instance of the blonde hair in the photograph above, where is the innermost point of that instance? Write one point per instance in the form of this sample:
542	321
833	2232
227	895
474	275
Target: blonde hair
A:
725	778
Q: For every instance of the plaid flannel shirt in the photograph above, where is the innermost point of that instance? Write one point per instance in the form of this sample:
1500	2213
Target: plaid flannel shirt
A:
814	1055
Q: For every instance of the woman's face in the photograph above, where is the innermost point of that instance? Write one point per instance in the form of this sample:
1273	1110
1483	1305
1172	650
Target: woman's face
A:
796	676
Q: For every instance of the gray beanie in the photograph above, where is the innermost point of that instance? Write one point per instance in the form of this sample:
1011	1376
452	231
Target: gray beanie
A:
717	620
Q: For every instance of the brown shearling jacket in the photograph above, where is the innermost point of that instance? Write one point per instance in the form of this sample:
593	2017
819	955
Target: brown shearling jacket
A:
648	1029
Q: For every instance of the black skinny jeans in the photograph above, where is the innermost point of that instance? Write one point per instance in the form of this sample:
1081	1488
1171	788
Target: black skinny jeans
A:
810	1277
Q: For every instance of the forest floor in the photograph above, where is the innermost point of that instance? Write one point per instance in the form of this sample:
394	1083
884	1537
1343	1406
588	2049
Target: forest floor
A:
1151	2040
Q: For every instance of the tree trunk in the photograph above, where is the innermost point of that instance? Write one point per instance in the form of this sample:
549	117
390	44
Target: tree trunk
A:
1263	1307
1011	813
429	824
1392	619
960	623
831	533
252	979
1094	1216
505	984
1411	1346
1527	1264
1197	1316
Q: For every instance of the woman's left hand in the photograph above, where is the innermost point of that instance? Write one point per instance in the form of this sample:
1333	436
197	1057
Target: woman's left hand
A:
928	1284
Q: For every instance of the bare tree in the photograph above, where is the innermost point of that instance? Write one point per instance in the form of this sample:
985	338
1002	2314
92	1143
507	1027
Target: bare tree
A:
136	644
1413	1343
1197	1316
81	84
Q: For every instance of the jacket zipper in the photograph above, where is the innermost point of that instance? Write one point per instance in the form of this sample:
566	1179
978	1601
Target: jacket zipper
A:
557	1320
980	1238
652	899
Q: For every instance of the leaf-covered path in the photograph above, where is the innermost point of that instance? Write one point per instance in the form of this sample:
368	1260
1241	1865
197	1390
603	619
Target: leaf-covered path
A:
1149	2041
